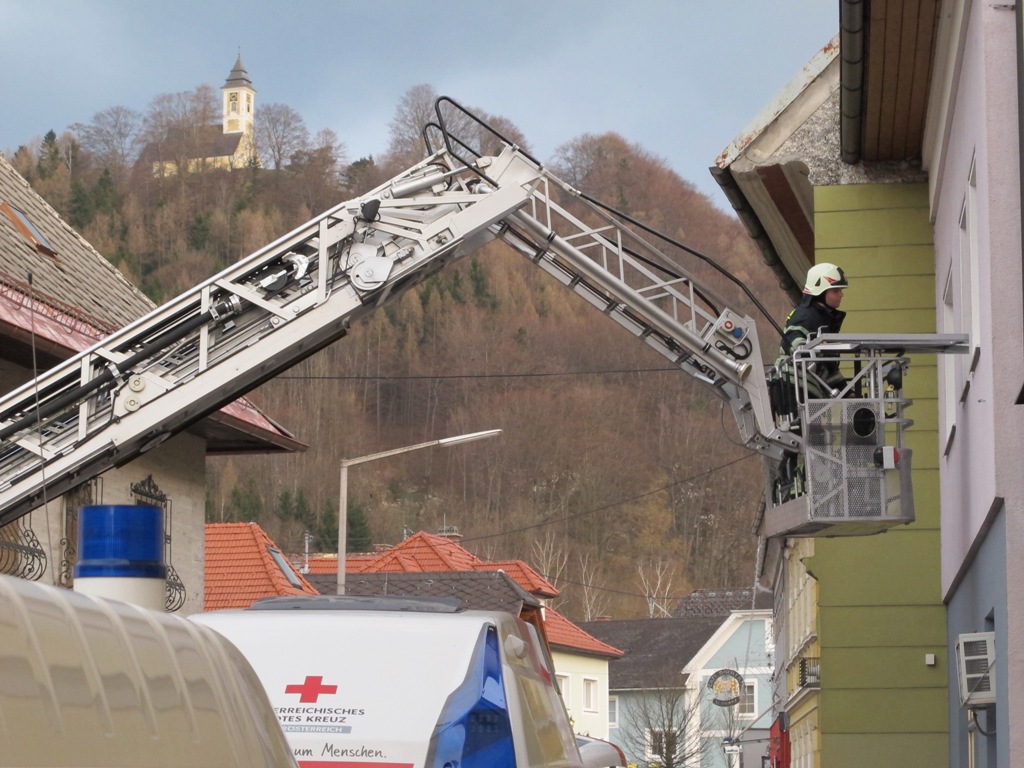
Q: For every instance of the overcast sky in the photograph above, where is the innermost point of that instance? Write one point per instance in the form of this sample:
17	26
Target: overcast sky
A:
681	78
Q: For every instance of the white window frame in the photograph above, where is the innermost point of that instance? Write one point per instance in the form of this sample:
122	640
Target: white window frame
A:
961	308
613	711
591	689
649	742
565	688
949	365
748	694
967	301
972	268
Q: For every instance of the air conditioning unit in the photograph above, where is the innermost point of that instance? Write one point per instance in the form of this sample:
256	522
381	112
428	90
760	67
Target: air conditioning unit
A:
975	660
810	672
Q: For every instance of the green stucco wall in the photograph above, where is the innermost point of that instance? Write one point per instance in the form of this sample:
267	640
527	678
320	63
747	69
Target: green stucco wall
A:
880	608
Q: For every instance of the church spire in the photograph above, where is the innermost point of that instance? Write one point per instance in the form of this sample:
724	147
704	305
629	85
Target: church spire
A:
238	77
238	99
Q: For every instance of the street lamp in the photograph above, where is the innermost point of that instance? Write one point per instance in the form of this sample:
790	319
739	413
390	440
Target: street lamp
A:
343	491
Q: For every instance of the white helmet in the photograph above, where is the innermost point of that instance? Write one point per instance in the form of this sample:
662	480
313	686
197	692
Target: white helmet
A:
823	276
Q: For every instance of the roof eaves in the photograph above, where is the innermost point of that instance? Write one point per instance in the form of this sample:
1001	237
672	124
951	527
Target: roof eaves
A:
767	121
246	419
768	183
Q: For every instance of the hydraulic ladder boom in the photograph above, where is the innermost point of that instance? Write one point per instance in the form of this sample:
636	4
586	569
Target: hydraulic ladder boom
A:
257	318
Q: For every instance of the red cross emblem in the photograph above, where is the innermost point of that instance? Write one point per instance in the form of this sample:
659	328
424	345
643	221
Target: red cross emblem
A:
311	689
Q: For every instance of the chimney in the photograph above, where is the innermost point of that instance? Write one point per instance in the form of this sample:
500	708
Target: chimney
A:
449	532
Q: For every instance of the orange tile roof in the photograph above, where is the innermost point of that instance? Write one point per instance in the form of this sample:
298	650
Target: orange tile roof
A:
424	552
560	631
357	562
427	553
327	562
240	568
523	575
324	562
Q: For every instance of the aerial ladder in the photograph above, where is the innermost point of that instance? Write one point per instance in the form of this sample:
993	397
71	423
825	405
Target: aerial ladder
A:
212	344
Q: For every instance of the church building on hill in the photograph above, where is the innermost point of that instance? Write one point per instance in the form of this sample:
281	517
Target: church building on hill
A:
227	145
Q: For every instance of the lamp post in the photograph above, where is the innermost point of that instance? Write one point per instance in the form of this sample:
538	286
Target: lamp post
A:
343	490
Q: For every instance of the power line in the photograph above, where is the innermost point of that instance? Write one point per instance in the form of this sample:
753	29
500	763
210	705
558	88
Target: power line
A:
651	492
620	502
434	377
553	579
612	504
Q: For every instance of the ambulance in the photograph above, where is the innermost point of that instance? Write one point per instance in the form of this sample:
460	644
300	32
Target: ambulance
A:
86	681
370	682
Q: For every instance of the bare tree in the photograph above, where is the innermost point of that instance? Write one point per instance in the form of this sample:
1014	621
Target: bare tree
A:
318	169
417	109
661	724
578	159
177	125
509	130
551	557
728	727
414	111
595	601
327	140
113	137
656	576
280	133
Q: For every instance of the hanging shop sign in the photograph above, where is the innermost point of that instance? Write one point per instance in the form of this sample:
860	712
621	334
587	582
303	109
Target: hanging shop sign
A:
725	686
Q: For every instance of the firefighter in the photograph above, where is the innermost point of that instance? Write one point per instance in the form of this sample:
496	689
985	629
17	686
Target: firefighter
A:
818	312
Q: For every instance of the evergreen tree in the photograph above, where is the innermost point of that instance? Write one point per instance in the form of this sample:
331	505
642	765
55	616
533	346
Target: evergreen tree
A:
358	536
81	211
49	155
246	503
481	292
327	530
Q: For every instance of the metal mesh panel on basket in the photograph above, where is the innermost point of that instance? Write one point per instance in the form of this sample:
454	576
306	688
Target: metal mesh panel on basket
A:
843	480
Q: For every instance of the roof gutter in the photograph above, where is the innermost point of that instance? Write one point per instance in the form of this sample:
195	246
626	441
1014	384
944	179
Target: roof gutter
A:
1020	121
851	76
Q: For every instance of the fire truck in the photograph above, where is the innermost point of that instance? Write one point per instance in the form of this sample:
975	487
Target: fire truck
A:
833	466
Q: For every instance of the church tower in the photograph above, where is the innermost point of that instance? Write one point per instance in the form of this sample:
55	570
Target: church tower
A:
239	100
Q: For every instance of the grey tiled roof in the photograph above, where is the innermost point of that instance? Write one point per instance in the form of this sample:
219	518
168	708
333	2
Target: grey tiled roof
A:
656	650
78	298
720	602
238	75
78	280
490	590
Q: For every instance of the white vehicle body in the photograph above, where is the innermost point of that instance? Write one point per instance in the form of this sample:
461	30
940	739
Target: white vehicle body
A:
94	682
598	753
403	683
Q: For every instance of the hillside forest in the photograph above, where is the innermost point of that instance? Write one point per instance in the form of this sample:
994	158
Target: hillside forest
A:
619	478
